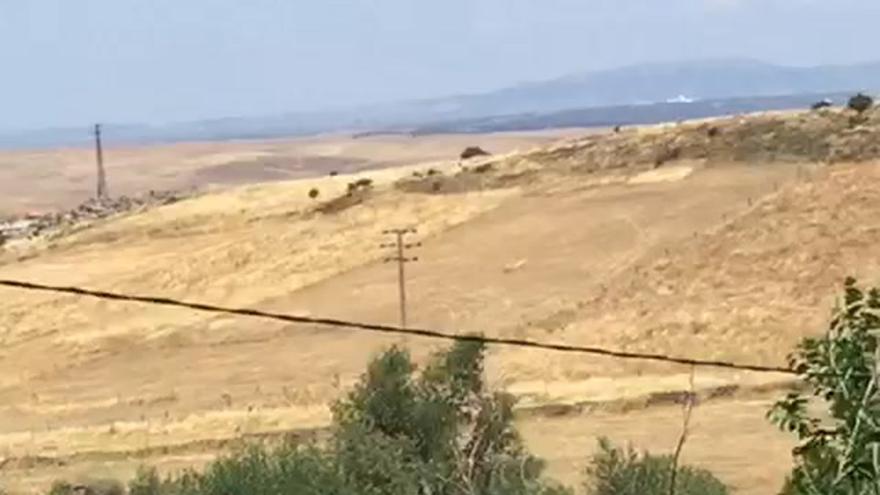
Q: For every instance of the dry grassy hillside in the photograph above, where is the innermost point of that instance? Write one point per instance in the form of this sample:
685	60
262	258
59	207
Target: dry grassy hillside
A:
48	179
725	243
828	135
747	289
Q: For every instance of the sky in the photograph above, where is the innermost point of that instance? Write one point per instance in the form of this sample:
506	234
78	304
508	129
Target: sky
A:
73	62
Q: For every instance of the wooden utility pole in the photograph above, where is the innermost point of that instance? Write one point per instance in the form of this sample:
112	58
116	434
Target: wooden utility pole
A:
401	260
99	157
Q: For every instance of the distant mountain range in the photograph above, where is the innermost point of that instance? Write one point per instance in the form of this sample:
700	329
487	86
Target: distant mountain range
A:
635	94
621	115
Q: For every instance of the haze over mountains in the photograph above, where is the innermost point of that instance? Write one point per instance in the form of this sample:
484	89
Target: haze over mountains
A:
644	93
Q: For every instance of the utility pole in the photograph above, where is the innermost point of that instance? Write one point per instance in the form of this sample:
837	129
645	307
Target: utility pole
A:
401	260
99	157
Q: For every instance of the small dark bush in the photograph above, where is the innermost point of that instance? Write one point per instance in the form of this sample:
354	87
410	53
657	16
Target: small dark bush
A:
92	487
667	154
314	193
360	184
821	104
483	168
432	172
146	482
473	151
333	173
61	488
860	103
623	472
713	131
856	120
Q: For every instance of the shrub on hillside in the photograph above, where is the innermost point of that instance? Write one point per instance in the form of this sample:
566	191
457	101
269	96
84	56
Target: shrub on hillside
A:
146	482
90	487
473	151
839	452
860	103
314	193
437	432
360	184
254	471
615	471
61	488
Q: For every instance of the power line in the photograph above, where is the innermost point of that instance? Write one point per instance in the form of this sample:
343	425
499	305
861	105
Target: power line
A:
434	334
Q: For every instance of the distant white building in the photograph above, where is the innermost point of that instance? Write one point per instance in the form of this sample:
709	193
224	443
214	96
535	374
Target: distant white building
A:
680	99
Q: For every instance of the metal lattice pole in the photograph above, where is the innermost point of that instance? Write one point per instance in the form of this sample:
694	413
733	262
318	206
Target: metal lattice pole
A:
99	157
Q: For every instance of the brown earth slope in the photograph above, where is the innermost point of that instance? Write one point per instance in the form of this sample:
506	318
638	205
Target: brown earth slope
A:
58	178
722	249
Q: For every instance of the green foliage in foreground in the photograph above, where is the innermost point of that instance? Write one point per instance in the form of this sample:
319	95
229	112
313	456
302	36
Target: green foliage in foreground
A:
615	471
839	451
399	432
404	432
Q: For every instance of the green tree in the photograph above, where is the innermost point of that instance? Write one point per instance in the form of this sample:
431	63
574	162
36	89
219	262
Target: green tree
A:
614	471
438	432
860	103
839	451
146	482
288	469
399	432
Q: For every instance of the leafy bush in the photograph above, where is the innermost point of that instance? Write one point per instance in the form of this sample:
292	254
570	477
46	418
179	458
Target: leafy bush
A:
360	185
314	192
482	169
258	471
473	151
365	182
439	432
615	471
61	488
254	471
397	433
839	452
860	103
146	482
91	487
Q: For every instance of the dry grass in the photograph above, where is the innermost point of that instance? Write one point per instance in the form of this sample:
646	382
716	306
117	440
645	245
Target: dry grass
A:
48	179
701	257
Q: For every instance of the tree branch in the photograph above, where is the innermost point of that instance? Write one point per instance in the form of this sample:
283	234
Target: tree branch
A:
686	419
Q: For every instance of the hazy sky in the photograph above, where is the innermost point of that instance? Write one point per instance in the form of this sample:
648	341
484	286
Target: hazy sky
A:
71	62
